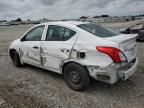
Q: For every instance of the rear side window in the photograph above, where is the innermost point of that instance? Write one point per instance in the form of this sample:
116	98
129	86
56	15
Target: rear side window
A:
58	33
97	30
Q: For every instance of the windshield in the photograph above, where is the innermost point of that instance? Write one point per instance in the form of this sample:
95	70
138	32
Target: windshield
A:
97	30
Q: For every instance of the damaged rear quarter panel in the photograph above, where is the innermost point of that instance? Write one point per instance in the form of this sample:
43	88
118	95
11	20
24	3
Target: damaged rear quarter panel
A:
87	43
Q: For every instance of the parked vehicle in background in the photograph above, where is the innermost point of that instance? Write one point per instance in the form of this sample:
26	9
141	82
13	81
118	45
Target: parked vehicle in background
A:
138	28
77	50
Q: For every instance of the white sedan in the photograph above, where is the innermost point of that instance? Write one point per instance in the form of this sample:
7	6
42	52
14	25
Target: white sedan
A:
77	50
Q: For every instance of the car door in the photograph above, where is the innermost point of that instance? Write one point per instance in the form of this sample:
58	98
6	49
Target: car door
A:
57	46
30	48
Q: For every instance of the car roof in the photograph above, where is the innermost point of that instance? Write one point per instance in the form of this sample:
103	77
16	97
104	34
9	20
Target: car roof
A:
67	22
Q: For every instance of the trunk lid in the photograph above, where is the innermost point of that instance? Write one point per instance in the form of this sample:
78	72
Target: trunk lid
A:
127	44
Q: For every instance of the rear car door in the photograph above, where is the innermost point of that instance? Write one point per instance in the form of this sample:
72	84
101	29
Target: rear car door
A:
30	48
57	46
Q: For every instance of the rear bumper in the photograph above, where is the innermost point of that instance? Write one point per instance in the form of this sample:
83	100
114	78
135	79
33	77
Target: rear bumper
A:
126	73
111	74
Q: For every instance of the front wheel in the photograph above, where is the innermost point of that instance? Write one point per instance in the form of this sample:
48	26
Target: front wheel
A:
15	58
76	77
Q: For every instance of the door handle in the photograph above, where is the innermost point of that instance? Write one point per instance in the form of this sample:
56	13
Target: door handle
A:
63	50
35	47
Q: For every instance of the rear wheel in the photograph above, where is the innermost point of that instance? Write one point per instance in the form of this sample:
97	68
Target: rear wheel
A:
76	77
15	58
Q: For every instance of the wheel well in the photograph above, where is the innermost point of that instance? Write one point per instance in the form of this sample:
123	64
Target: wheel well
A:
65	64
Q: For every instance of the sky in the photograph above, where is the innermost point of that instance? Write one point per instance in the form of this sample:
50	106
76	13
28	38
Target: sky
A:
66	9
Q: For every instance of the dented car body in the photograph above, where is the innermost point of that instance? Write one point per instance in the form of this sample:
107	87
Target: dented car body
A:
103	54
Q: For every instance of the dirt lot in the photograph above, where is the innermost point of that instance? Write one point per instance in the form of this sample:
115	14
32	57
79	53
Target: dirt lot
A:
31	87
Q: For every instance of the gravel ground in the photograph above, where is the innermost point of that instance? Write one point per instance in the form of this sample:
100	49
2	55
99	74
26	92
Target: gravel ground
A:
31	87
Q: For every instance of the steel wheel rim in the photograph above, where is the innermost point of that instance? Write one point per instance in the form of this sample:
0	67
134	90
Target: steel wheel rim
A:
75	77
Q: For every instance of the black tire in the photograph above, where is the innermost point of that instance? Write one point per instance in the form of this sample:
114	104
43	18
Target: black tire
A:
15	58
76	77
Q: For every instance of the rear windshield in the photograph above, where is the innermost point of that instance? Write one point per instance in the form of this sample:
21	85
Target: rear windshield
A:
97	30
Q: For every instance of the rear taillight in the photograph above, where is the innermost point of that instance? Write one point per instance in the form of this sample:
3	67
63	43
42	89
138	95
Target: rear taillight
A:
115	54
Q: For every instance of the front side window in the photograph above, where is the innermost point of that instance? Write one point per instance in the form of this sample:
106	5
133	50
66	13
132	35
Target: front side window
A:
97	30
35	34
58	33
